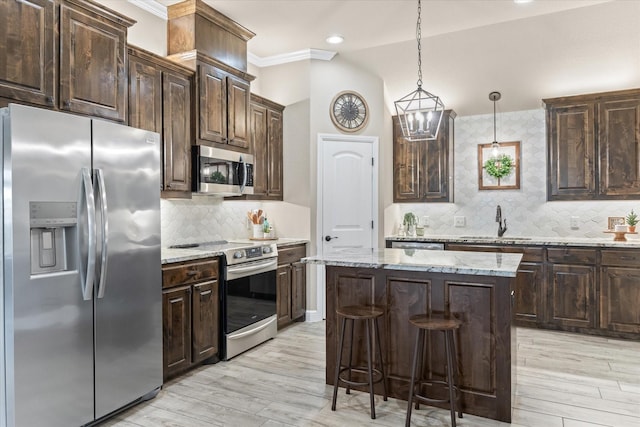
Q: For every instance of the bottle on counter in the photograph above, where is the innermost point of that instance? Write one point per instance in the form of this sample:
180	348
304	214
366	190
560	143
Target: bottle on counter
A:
266	228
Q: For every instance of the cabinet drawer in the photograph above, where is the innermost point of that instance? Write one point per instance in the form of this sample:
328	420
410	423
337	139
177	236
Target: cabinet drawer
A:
189	272
571	256
529	254
621	258
291	254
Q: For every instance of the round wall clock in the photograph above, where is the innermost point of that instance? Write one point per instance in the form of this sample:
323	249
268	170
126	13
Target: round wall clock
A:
349	111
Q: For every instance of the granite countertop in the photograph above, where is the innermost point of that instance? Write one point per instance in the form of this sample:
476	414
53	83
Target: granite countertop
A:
474	263
604	242
169	255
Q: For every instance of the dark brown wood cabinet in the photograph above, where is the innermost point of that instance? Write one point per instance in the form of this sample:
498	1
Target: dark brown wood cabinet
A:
238	99
577	289
291	294
191	316
283	293
620	291
423	171
571	288
619	147
205	313
222	102
529	285
486	350
28	72
266	142
64	54
176	329
592	146
160	101
93	78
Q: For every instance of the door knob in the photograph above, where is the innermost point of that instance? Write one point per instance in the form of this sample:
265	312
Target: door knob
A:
328	238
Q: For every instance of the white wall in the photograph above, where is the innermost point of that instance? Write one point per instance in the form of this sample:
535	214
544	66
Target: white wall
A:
527	211
149	32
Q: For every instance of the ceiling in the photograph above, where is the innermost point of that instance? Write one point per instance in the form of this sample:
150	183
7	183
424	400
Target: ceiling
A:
526	51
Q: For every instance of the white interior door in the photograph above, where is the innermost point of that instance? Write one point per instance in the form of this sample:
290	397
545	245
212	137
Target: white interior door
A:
347	197
347	202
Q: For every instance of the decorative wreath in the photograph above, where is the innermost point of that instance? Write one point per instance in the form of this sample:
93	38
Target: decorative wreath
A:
499	167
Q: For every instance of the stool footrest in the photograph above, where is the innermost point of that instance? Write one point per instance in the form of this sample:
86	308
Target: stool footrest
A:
425	399
377	374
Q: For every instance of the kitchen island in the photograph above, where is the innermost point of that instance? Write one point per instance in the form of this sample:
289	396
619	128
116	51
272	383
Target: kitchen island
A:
473	287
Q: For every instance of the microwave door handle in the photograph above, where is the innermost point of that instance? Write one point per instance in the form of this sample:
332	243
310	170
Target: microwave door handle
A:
86	279
245	173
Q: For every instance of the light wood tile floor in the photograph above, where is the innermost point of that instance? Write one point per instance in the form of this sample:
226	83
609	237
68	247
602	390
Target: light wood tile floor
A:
564	380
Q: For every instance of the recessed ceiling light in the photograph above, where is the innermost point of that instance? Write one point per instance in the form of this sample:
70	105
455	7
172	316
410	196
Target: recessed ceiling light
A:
522	1
335	39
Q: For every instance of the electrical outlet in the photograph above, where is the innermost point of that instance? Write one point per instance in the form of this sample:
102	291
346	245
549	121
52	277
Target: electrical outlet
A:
574	222
249	223
459	221
425	221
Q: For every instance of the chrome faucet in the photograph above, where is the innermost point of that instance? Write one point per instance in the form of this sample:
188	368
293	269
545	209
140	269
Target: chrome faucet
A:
501	229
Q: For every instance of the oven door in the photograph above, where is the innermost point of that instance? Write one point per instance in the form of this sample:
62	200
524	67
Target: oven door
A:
249	306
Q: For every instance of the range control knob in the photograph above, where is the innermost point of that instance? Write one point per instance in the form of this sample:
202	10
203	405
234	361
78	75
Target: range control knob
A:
238	254
266	250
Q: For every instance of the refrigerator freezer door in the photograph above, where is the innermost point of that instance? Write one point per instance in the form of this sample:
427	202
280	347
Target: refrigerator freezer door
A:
128	331
48	325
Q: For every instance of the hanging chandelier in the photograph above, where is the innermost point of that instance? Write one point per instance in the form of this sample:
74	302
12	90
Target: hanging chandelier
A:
495	146
420	112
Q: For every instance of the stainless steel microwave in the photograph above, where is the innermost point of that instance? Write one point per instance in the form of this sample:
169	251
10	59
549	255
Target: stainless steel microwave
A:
219	172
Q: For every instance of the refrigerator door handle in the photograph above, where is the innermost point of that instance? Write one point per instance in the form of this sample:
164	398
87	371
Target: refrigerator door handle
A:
102	194
86	280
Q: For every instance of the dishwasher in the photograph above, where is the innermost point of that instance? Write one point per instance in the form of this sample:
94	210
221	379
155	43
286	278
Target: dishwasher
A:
402	244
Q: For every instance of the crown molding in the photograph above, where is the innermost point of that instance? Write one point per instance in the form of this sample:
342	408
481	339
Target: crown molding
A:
284	58
151	6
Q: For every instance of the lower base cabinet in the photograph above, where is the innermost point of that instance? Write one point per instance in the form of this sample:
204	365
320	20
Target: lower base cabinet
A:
291	285
586	290
190	314
620	291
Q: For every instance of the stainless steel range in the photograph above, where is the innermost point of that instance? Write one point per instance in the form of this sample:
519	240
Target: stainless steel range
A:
248	294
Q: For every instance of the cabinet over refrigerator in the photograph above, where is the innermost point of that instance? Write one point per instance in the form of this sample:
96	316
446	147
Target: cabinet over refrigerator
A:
80	300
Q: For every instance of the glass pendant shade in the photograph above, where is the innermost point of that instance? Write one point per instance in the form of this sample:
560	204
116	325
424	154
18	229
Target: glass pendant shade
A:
420	114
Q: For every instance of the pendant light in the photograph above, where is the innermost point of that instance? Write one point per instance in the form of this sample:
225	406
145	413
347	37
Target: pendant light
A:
495	146
420	112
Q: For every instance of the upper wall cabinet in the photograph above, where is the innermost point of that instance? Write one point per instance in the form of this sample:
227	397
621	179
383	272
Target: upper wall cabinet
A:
160	101
194	25
423	170
593	146
222	105
29	51
215	47
90	56
266	143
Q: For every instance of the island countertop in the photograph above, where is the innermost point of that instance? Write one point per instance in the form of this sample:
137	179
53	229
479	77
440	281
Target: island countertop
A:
455	262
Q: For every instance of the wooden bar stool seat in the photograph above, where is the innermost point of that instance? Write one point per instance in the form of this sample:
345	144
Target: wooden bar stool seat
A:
370	315
447	325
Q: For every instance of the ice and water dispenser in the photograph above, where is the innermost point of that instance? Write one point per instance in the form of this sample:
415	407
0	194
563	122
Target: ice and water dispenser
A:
53	231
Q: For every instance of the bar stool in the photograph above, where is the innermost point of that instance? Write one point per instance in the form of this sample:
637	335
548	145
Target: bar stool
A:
446	325
370	314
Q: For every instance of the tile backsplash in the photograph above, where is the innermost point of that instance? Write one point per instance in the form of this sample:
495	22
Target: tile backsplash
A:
527	211
203	219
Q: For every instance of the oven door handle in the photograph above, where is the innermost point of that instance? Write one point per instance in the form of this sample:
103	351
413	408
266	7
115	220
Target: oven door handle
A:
235	272
251	332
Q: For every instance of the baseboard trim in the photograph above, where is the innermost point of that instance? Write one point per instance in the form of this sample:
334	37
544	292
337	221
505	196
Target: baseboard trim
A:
313	316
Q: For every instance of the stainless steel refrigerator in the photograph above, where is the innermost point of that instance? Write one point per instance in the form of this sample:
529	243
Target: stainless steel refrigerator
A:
81	301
